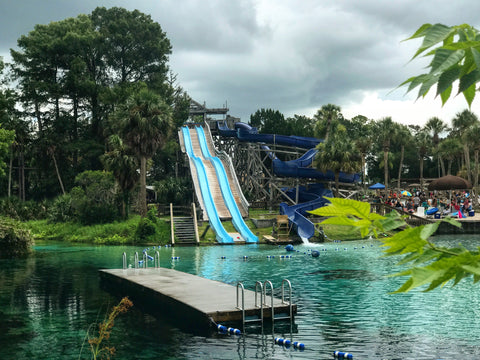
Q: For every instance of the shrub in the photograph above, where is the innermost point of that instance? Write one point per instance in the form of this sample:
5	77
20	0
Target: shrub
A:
146	230
152	230
14	208
95	198
62	209
15	240
115	239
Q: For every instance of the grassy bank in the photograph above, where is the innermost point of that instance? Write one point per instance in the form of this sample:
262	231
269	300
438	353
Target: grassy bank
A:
116	233
126	232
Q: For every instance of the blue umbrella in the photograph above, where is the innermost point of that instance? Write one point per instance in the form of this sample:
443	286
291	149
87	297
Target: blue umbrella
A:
377	186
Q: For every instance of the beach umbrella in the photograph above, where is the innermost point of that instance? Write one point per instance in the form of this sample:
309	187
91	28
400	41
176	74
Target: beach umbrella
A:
406	193
450	182
377	186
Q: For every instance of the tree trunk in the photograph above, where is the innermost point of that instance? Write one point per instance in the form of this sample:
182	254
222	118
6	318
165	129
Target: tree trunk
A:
421	172
385	169
126	204
21	174
58	172
467	162
402	153
449	170
442	165
143	186
10	174
337	183
475	178
363	173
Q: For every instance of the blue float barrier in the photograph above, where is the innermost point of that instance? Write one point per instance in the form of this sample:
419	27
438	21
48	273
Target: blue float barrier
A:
150	257
285	342
289	247
175	257
299	345
223	257
224	330
342	355
245	257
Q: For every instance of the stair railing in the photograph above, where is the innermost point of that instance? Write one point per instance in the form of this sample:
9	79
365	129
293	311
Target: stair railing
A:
172	231
195	225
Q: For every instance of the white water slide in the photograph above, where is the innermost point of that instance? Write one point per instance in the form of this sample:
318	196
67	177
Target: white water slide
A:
216	184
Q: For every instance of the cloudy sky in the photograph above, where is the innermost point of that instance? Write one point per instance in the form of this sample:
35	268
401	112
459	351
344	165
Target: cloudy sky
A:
288	55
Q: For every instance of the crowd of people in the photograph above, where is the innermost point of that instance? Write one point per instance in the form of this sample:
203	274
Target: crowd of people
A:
441	200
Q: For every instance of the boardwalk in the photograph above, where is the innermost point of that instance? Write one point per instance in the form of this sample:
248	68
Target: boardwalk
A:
184	297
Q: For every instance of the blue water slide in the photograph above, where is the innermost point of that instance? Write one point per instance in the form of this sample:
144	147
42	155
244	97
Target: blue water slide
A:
221	234
237	218
299	168
311	198
245	132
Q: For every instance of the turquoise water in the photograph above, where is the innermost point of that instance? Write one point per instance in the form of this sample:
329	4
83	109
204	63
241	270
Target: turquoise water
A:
48	301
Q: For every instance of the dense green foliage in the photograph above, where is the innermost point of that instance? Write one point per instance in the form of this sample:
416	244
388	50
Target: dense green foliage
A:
114	233
15	240
69	77
269	121
428	265
338	154
17	209
152	230
456	56
95	198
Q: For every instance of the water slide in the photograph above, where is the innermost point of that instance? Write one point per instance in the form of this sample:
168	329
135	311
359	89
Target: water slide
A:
227	194
298	168
212	186
311	198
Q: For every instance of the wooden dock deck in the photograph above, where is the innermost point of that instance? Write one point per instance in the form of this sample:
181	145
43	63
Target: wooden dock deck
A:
186	298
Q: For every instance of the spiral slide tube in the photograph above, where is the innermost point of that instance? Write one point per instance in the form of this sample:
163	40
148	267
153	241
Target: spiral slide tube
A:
237	218
221	234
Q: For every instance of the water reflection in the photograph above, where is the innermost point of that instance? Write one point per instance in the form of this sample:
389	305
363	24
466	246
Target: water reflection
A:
48	301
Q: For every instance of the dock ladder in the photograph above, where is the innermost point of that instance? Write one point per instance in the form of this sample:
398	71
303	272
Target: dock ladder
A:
260	301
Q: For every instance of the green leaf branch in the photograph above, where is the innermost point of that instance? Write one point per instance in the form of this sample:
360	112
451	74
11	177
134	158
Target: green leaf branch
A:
428	264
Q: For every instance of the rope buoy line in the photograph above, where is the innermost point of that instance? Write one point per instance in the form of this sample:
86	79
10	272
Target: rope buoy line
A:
342	355
289	248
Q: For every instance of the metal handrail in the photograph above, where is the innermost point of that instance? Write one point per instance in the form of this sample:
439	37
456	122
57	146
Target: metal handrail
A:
286	281
124	258
136	260
265	285
257	284
157	260
145	260
172	228
240	285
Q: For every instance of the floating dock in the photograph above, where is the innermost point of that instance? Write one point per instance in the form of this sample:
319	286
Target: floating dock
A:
191	300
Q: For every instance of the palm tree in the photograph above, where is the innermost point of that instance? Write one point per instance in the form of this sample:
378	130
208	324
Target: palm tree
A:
423	142
327	118
473	137
361	130
435	127
450	148
402	136
384	132
461	123
145	122
337	154
123	164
